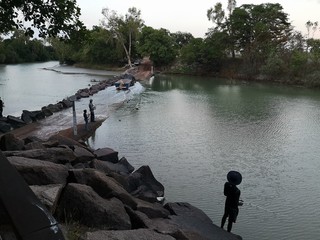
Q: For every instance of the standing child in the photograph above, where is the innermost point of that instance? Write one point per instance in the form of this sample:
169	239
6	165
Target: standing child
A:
86	119
232	193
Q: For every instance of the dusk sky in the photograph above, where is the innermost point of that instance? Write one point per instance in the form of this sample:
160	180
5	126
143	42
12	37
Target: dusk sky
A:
190	16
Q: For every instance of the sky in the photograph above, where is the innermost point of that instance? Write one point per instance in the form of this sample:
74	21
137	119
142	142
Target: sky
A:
191	16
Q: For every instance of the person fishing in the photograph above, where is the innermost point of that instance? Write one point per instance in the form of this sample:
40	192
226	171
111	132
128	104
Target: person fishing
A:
92	108
232	193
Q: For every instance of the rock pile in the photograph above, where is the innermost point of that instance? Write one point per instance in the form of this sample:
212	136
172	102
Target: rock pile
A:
101	193
13	122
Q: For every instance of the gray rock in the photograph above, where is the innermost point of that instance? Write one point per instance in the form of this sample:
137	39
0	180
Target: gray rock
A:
46	111
138	234
48	194
15	122
194	222
122	167
105	186
143	185
82	204
37	172
152	210
9	142
34	145
4	127
82	154
107	154
55	155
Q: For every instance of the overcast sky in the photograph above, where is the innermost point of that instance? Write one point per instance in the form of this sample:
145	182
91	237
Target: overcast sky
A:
190	16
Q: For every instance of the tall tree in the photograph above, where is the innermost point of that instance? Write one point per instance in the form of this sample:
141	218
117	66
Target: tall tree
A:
158	45
260	30
50	17
124	29
216	15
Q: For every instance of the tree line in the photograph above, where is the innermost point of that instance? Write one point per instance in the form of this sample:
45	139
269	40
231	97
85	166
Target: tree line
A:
251	41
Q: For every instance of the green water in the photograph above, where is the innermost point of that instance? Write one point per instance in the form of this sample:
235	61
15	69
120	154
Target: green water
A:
191	131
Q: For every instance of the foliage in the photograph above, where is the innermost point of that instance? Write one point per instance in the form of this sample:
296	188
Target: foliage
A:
314	49
100	48
50	17
20	48
124	29
158	45
182	38
274	66
298	63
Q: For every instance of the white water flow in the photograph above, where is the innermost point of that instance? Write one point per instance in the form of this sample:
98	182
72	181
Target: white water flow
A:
105	101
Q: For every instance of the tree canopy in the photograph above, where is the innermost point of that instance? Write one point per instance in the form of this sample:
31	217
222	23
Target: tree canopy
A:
50	17
124	29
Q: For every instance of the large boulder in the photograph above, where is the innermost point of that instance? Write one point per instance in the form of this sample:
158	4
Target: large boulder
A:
122	167
143	185
55	107
82	154
46	111
48	195
138	234
152	210
107	154
4	127
37	172
80	203
9	142
32	116
105	186
63	140
193	221
55	155
15	122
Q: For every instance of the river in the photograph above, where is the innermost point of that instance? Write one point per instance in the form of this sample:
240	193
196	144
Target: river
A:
192	130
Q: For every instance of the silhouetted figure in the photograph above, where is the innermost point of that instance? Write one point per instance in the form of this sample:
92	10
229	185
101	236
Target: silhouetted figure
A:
91	108
86	119
232	193
1	107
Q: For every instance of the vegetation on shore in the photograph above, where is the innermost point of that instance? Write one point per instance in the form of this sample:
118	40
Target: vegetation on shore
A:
252	41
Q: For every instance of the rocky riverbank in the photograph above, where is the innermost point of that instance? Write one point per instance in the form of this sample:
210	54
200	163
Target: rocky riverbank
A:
102	195
91	192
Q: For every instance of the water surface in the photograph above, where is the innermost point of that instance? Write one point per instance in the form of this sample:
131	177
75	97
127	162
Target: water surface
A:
191	131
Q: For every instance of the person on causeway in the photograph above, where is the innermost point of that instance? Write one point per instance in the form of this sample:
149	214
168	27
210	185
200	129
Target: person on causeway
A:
91	108
232	193
86	119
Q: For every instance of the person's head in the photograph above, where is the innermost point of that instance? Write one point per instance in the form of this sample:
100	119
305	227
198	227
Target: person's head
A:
90	100
234	177
85	111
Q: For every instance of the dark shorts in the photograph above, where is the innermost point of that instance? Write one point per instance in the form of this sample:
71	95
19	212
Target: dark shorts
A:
232	213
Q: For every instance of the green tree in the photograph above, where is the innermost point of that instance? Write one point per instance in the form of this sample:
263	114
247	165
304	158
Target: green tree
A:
50	17
124	29
158	45
314	50
259	30
182	38
216	15
101	48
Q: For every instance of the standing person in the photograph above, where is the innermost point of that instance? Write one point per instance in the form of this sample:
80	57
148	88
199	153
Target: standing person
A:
232	193
1	107
86	119
91	108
